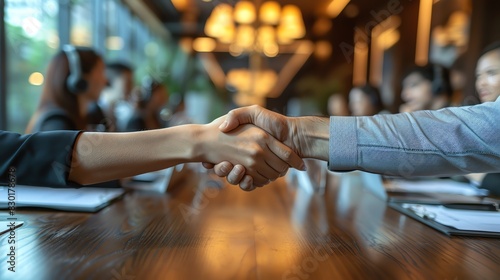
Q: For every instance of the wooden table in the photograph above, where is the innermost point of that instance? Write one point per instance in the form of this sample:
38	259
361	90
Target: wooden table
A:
204	231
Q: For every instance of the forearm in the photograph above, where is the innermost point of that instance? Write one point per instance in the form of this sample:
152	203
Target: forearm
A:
311	136
427	143
99	157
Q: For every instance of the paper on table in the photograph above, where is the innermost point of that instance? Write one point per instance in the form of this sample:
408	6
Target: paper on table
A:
436	186
460	219
71	199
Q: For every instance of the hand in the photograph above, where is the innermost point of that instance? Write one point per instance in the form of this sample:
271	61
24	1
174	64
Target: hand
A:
264	158
307	136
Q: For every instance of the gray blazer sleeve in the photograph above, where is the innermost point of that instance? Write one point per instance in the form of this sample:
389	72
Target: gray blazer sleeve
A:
449	141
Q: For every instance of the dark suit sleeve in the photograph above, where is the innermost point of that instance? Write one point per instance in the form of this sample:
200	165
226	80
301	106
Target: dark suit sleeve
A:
42	158
57	122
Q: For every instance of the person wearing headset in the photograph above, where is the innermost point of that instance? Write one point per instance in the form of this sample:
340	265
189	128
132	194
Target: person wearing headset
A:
150	99
426	88
74	80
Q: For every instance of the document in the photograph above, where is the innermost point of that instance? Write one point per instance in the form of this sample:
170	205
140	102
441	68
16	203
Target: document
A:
471	220
69	199
435	186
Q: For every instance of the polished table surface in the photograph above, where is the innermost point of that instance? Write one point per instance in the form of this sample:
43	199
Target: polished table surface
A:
207	230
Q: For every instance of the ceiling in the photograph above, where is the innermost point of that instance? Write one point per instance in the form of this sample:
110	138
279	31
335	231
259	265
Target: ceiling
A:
190	22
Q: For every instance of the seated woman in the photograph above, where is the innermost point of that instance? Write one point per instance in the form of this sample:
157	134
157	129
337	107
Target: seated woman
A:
365	101
150	99
426	88
74	80
488	90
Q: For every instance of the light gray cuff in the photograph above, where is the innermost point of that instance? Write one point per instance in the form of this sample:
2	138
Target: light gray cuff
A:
343	144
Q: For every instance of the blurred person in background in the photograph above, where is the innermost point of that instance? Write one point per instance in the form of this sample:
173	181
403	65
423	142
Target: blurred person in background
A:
488	73
337	105
365	101
149	101
74	80
426	88
488	90
116	98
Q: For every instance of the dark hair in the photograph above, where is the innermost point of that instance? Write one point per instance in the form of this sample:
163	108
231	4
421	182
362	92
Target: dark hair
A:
438	75
495	46
373	93
117	68
55	93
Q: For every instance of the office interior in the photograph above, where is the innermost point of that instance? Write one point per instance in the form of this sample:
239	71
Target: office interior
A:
289	56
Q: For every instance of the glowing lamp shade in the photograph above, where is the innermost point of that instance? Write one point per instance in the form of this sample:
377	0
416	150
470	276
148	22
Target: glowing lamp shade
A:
292	22
204	44
244	12
270	12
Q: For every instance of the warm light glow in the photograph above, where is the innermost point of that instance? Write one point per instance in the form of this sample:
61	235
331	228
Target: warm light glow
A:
114	43
204	44
245	35
351	11
258	83
322	26
36	79
265	34
292	22
271	49
185	44
423	32
244	12
270	12
220	21
335	7
235	50
180	5
384	36
225	24
388	39
323	49
360	66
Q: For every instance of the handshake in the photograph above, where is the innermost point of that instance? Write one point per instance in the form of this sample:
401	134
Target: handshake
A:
257	146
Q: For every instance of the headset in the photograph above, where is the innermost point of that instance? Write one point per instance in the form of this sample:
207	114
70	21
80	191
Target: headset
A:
75	83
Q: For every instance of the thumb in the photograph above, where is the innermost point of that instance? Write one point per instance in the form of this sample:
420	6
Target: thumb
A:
238	117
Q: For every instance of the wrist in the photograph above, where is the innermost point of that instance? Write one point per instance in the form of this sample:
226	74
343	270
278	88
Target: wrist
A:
313	135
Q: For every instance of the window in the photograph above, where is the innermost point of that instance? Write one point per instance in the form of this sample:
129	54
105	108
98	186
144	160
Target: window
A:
32	39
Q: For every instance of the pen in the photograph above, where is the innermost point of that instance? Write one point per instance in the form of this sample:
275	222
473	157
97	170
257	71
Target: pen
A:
473	206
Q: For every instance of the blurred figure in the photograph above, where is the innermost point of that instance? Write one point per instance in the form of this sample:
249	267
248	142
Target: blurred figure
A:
426	88
116	99
365	101
74	79
337	105
488	73
458	80
150	99
488	89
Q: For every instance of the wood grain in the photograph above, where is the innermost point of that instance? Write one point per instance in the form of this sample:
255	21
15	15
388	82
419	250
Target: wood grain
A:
202	231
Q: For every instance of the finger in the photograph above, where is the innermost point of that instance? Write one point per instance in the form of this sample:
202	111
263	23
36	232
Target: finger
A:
247	183
208	165
236	175
236	118
285	154
222	169
259	179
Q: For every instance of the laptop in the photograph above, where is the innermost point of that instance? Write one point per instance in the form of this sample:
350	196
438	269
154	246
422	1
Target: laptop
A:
426	191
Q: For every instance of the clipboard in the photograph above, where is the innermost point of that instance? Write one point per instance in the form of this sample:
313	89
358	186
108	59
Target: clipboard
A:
450	231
